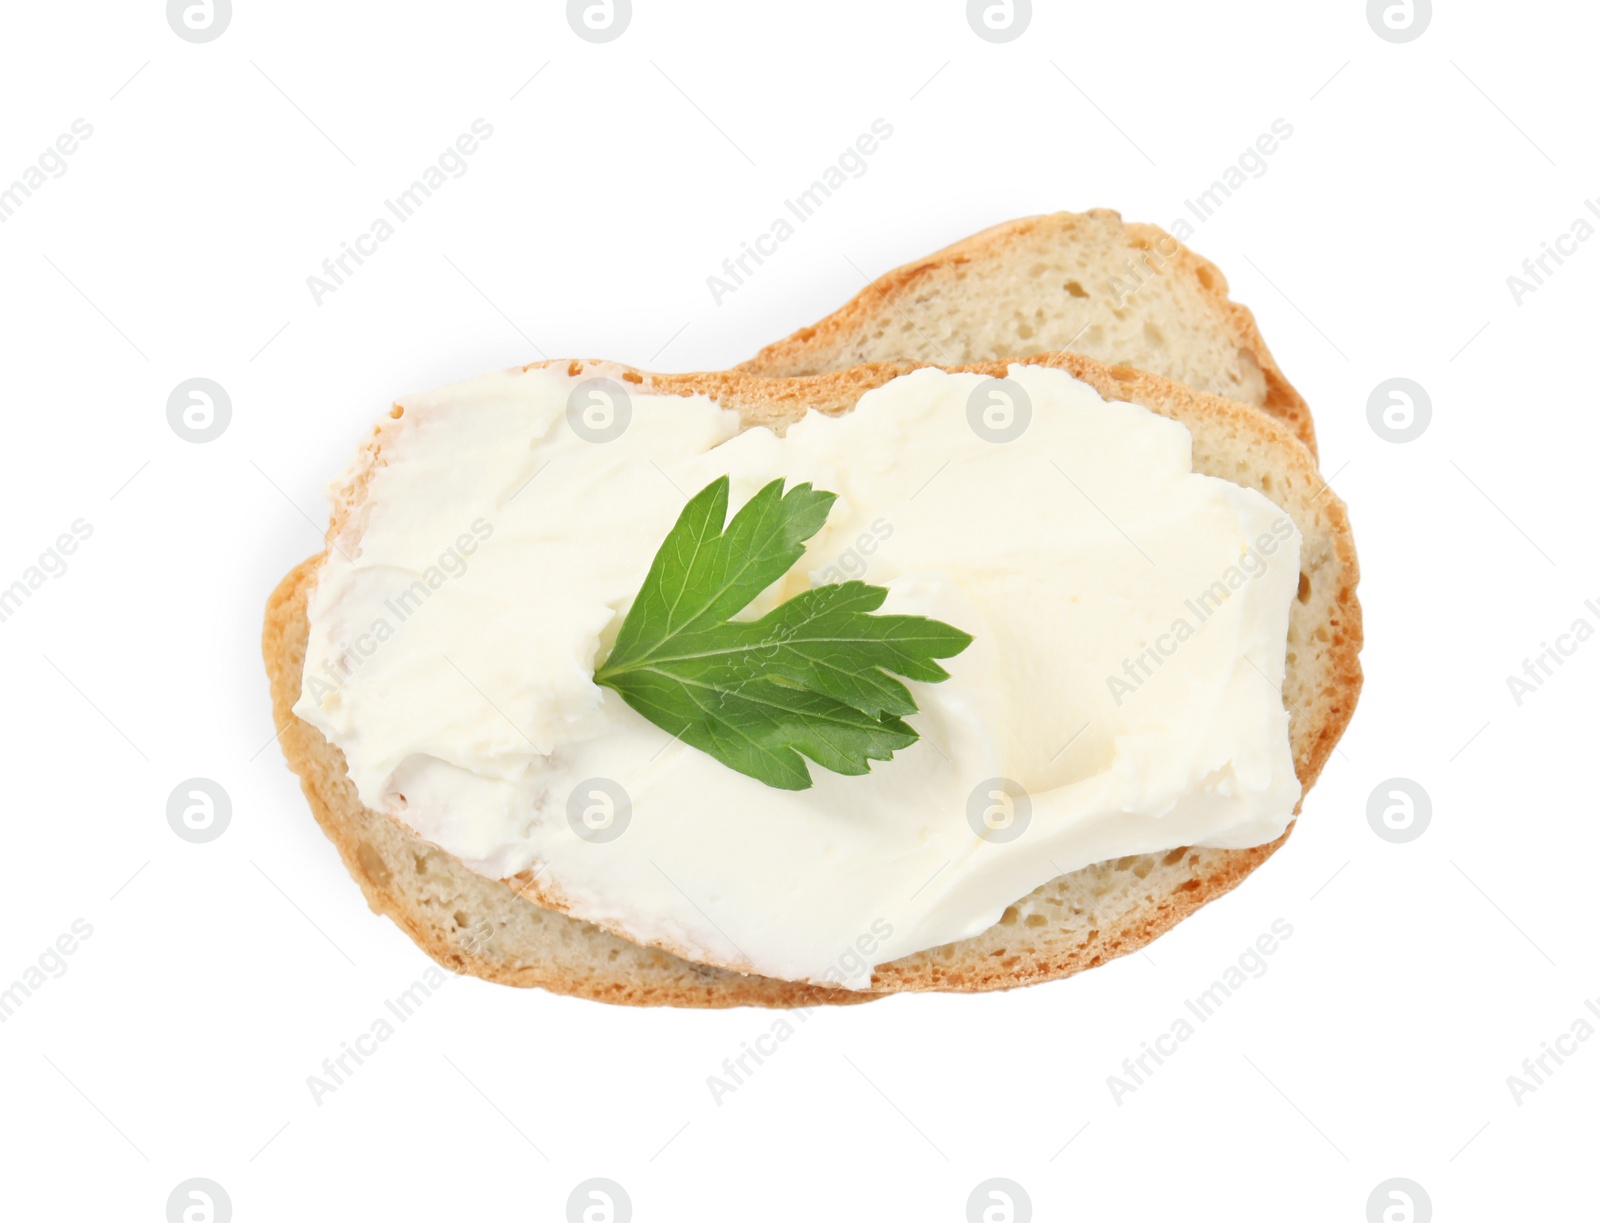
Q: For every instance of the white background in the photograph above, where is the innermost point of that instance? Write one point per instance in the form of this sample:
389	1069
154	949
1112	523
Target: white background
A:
218	976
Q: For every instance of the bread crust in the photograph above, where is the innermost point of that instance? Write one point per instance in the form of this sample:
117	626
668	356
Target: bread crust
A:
495	930
831	342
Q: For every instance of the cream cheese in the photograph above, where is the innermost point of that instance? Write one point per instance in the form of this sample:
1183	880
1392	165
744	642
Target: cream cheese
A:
1122	694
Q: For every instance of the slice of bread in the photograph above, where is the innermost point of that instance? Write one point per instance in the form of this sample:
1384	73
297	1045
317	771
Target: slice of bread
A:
1086	282
491	929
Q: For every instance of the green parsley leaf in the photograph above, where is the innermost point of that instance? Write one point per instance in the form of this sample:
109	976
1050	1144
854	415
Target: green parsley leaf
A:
813	678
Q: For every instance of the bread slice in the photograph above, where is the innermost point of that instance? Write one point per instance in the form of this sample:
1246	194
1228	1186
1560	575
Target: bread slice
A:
491	929
1085	282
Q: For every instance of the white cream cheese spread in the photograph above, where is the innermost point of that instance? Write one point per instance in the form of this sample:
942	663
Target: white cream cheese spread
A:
1122	693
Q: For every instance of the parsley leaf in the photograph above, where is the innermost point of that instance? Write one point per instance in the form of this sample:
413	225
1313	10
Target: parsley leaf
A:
812	679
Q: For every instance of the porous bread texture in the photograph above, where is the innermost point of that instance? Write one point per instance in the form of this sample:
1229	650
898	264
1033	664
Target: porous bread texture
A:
493	929
1090	283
